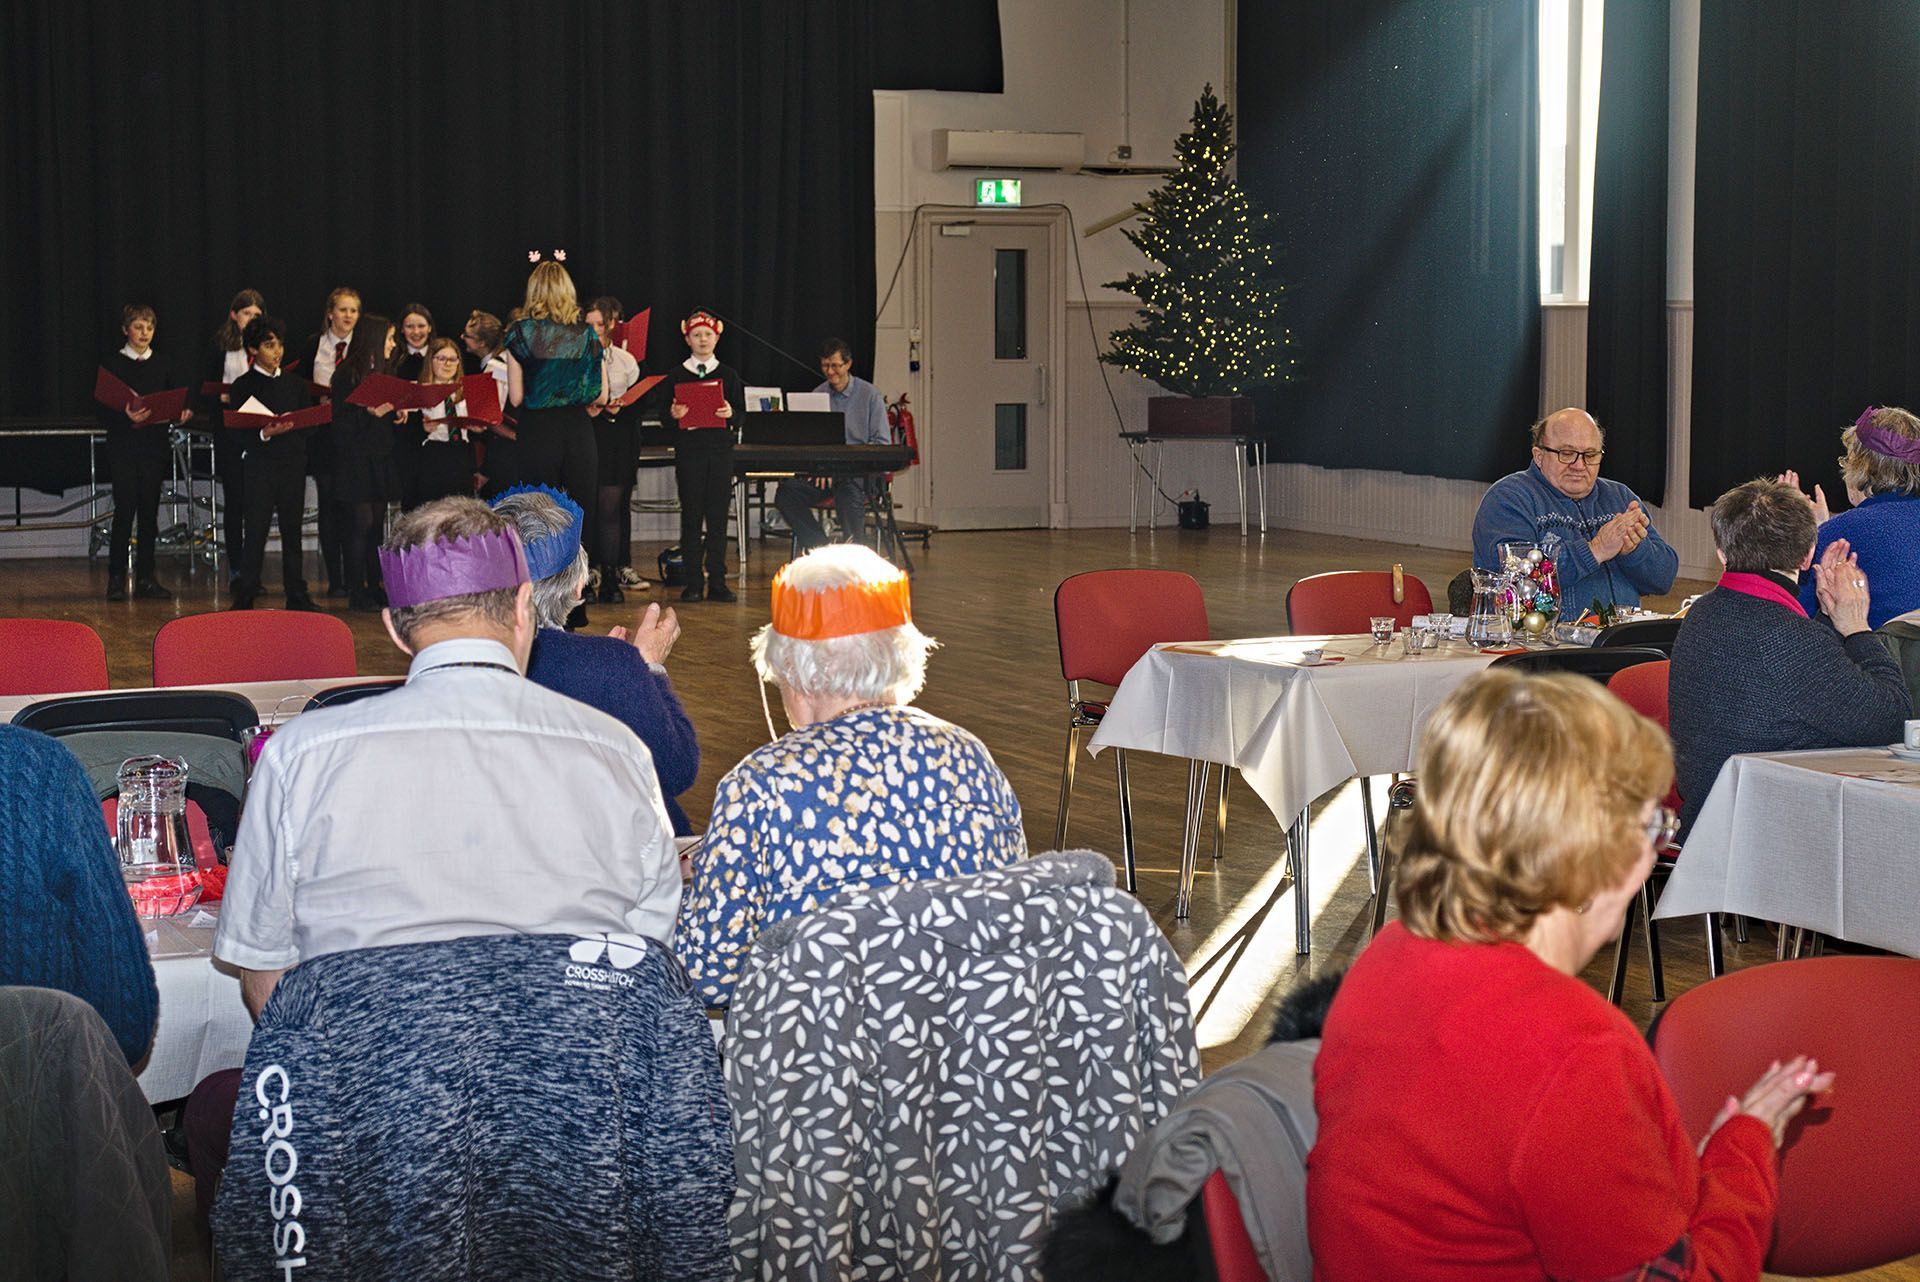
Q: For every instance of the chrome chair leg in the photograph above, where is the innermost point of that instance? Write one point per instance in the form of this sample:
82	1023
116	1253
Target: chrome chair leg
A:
1780	932
1716	952
1126	819
1190	837
1739	928
1298	842
1373	836
1659	979
1380	898
1220	818
1617	985
1066	788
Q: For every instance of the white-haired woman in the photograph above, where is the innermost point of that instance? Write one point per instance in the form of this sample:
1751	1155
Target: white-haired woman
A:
624	675
866	790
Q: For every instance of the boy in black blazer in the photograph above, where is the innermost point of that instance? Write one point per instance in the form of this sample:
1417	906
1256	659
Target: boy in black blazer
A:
274	463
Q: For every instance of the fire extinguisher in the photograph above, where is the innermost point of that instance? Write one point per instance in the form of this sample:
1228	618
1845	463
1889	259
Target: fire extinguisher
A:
900	419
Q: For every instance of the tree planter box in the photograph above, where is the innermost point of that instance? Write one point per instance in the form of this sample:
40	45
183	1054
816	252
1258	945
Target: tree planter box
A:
1199	415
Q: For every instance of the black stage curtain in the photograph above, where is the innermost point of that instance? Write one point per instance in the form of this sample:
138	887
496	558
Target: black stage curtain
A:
174	153
1806	263
937	44
1627	306
1395	142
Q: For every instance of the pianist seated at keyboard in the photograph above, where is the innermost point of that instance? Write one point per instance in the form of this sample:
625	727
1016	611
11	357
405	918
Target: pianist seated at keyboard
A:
866	414
865	790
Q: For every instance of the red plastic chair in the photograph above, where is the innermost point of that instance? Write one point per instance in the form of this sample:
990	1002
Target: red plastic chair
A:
1848	1170
1107	619
252	645
1234	1259
1343	601
50	656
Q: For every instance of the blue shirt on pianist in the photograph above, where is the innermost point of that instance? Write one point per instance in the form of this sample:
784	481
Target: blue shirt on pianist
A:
1525	506
866	411
1884	532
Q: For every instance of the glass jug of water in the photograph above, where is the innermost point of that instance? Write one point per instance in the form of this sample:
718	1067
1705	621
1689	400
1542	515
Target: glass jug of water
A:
156	855
1489	623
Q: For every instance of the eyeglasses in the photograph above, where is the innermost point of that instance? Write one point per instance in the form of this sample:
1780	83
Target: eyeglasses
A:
1570	457
1661	827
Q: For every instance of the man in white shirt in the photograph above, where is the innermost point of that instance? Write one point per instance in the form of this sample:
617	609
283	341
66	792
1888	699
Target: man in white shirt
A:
468	802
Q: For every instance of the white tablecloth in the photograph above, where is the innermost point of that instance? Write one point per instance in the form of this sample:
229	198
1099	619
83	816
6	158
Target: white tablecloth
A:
1825	840
1292	731
204	1025
273	700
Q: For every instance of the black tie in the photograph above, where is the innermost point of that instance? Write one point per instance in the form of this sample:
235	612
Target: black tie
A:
701	370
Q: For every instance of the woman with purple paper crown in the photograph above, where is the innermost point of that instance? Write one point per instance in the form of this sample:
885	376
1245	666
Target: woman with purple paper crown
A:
1881	470
623	674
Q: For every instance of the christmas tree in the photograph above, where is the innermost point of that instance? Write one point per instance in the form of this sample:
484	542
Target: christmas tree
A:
1209	316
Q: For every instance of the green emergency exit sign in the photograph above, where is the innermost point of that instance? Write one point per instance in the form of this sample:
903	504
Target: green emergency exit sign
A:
996	191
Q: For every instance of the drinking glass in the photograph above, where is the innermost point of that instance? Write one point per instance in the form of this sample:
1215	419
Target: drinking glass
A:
1442	628
1382	625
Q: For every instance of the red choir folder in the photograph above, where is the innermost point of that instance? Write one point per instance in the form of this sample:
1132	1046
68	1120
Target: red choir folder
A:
313	416
481	392
634	339
319	391
385	389
215	389
703	401
641	388
165	406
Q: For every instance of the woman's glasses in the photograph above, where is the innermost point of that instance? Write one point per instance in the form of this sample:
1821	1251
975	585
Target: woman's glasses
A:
1661	827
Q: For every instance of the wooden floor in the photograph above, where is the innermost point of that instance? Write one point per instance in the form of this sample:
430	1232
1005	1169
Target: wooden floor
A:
987	597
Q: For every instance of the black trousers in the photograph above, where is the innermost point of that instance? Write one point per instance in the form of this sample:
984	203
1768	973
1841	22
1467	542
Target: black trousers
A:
140	467
795	499
441	469
228	447
556	447
276	489
406	462
704	478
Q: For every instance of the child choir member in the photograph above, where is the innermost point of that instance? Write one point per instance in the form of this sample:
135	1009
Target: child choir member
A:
410	360
444	463
364	479
274	465
485	341
138	453
322	354
226	361
703	464
619	453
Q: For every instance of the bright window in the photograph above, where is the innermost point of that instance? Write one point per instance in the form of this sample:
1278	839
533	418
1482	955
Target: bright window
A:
1569	111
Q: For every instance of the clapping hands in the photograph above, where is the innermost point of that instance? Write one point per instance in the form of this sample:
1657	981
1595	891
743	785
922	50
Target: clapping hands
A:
1782	1091
1819	499
1840	585
1622	534
653	635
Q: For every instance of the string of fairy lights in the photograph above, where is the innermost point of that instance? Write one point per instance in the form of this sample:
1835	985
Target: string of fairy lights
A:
1210	311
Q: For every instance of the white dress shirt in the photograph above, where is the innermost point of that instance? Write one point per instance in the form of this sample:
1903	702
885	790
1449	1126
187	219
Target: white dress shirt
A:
132	355
235	364
623	371
468	802
323	356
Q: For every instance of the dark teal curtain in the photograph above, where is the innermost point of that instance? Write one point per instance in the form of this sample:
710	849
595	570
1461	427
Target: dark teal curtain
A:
1627	303
1395	141
1806	258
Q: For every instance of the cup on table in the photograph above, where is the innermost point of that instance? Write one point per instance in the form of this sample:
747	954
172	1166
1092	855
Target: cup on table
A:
1442	629
1382	625
1416	637
1910	736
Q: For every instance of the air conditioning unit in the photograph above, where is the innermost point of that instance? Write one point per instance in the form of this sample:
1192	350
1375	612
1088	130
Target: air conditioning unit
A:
1007	149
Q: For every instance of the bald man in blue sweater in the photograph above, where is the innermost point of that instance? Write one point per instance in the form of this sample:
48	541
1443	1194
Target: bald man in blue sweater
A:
1609	552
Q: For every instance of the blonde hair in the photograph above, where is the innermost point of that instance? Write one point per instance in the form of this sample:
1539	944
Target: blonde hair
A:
1531	792
551	295
1871	472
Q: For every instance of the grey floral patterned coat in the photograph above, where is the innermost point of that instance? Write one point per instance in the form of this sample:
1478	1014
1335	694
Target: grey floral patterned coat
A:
921	1074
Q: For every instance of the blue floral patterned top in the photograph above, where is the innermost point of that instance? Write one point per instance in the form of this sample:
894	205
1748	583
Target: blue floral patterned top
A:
878	796
559	364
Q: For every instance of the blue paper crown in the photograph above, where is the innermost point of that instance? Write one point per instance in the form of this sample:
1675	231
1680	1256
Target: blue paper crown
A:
550	553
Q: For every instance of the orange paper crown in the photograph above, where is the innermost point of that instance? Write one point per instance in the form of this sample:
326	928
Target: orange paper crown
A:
845	611
699	319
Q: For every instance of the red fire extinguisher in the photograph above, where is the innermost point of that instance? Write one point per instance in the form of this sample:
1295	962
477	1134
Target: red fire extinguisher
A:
900	419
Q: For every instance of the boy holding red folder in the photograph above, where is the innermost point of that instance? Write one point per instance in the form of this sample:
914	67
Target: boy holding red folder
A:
274	464
705	395
139	453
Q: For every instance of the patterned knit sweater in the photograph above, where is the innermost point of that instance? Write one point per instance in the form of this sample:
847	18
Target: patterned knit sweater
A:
68	922
1751	675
